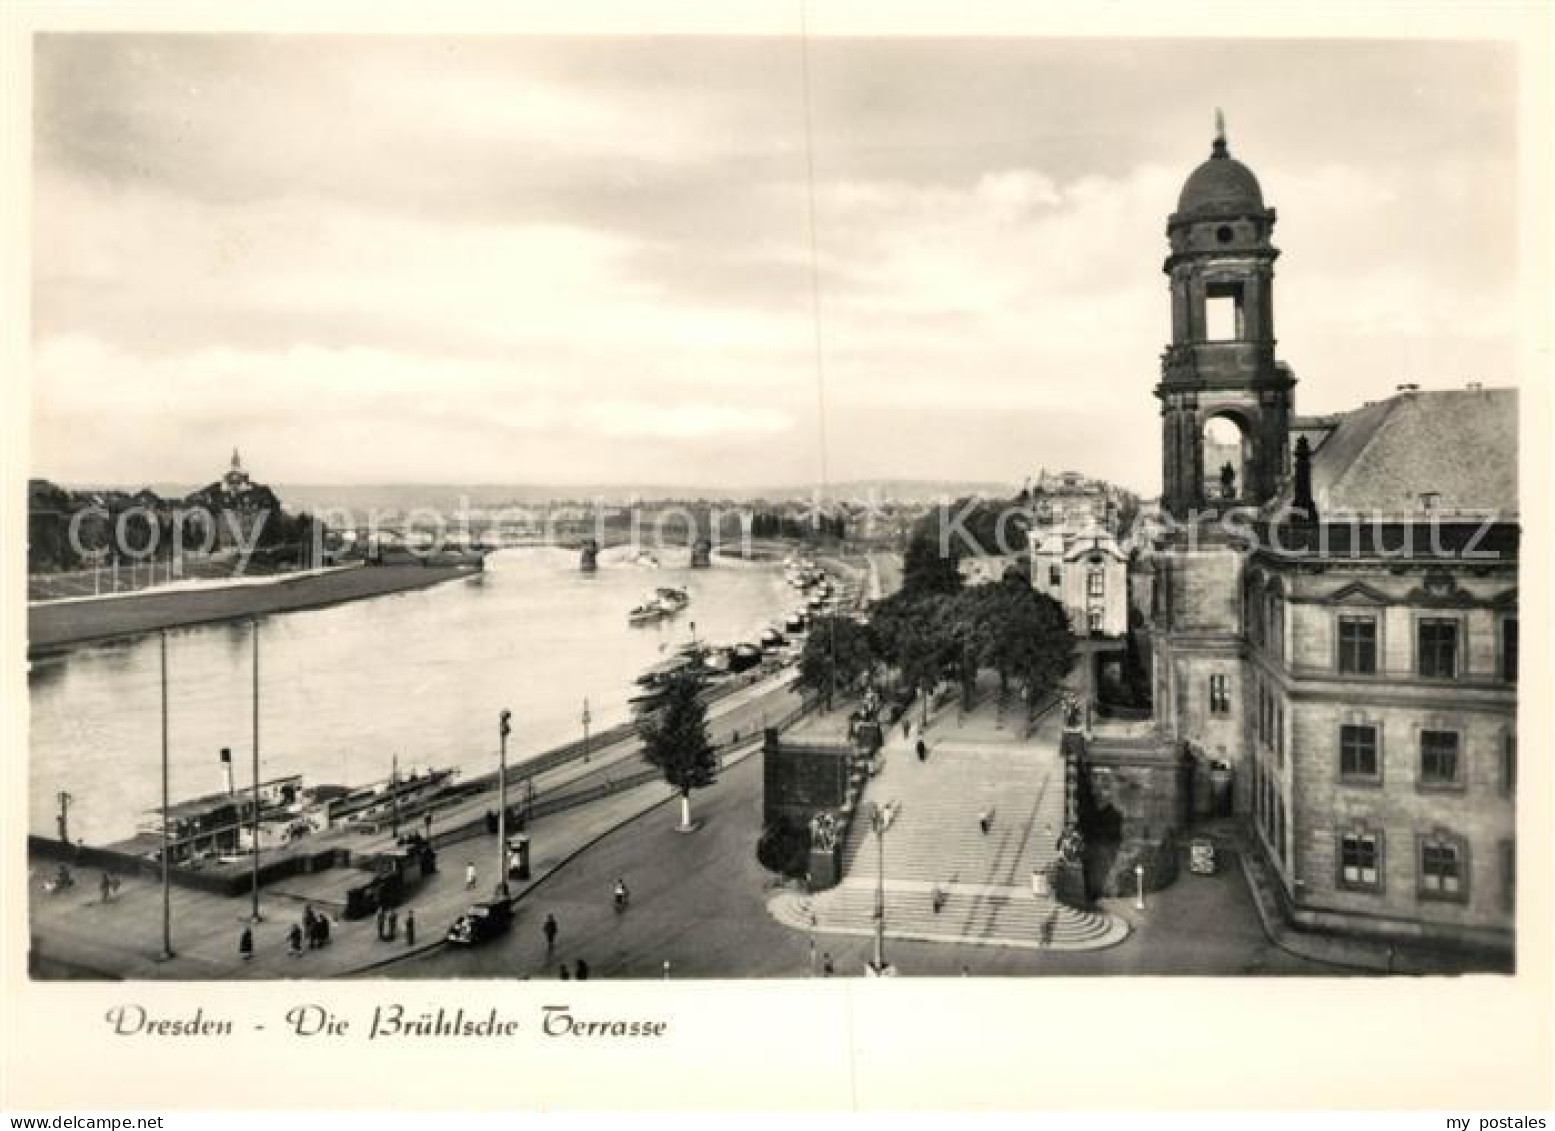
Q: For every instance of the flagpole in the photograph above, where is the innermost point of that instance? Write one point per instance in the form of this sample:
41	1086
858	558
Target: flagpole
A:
167	848
255	845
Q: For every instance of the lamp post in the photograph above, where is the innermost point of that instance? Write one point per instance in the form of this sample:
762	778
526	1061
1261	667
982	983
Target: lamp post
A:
880	820
63	818
504	727
167	847
1139	885
587	718
394	797
255	833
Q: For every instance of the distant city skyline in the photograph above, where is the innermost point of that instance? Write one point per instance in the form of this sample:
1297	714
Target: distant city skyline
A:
588	261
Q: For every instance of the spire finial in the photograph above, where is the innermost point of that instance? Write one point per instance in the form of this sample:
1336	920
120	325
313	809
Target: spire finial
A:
1219	148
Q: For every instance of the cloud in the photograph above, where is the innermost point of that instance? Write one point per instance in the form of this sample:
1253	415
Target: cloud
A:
466	259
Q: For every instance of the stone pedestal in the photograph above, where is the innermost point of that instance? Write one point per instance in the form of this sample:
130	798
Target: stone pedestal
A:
1069	882
825	870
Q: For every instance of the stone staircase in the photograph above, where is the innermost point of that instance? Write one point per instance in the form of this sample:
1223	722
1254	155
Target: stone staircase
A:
935	840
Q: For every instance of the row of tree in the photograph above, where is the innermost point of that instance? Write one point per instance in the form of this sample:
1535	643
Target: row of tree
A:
934	629
766	524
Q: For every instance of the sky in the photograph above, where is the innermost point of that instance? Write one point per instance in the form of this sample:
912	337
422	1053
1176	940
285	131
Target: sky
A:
570	260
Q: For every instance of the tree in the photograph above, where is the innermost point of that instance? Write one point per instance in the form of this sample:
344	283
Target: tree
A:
674	738
926	570
915	632
1033	645
971	526
837	652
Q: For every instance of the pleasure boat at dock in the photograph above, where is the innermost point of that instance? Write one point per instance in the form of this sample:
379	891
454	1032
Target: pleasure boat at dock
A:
648	612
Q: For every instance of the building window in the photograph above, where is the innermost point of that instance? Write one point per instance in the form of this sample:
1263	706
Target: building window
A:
1055	576
1439	757
1279	733
1219	695
1438	652
1509	649
1443	868
1358	645
1358	751
1360	861
1093	620
1095	583
1223	321
1509	764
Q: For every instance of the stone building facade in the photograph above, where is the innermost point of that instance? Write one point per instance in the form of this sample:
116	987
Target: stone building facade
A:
1340	626
1086	572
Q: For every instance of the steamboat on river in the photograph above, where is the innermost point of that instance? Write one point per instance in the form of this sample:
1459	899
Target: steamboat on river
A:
219	828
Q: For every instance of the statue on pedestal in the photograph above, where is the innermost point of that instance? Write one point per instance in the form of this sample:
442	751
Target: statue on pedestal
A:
823	833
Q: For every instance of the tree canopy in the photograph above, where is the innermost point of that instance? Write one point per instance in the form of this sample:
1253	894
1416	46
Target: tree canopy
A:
837	652
1006	626
674	736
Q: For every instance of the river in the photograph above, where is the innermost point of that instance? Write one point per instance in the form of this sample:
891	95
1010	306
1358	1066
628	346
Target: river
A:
420	674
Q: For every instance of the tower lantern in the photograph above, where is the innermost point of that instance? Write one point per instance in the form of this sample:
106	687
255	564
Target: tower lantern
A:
1219	374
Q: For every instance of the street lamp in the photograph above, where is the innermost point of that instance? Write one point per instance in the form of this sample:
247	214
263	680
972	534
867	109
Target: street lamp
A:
167	846
254	833
504	728
880	817
63	818
1139	884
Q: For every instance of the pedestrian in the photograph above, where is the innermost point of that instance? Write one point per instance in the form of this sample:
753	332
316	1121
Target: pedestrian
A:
394	925
491	822
923	751
246	944
469	876
564	973
383	918
426	822
310	930
938	897
906	727
294	940
827	968
107	888
550	930
113	886
321	924
1048	925
985	821
583	971
410	927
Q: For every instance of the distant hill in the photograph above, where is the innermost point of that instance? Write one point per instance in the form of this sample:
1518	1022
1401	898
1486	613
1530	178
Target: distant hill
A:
446	498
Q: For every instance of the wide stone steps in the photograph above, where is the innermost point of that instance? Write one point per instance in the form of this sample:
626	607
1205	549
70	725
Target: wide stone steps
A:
1006	917
935	840
936	836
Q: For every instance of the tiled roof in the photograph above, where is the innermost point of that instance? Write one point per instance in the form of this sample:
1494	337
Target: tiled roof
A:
1459	445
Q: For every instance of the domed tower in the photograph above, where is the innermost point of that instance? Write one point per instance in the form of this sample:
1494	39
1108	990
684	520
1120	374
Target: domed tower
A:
1225	400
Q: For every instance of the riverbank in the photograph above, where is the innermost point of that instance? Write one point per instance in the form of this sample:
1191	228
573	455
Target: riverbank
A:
55	626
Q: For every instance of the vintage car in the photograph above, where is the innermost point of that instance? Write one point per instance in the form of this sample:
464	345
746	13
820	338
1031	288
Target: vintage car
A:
481	922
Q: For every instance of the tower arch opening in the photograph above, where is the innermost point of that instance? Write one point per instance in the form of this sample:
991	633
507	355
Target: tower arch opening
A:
1228	458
